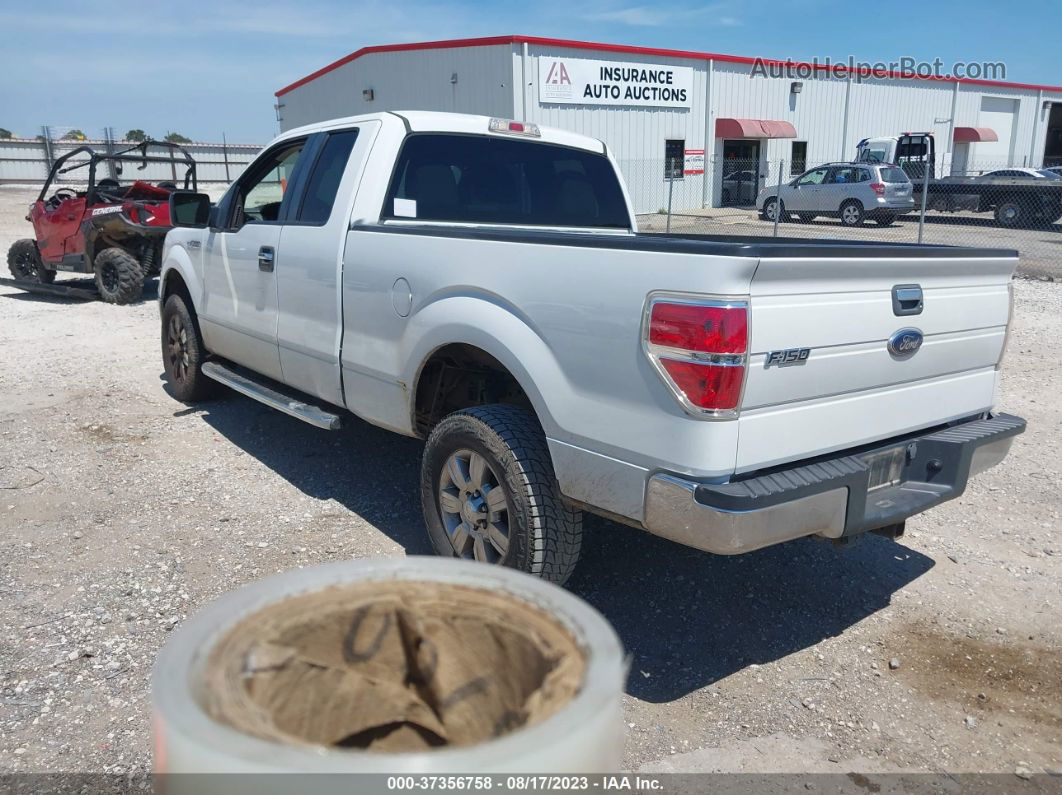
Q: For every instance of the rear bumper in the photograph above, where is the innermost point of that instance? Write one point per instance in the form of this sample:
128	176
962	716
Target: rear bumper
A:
829	497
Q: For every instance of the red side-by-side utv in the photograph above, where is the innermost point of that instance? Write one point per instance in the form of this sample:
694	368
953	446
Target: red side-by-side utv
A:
111	230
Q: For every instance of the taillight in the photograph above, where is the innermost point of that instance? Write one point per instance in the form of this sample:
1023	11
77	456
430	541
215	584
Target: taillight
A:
878	188
700	349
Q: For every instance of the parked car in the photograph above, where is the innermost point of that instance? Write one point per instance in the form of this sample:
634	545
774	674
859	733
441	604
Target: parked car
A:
1027	173
1056	170
851	192
740	187
481	284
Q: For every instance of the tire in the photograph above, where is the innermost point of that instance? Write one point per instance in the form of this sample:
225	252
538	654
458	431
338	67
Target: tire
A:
852	213
726	197
806	218
24	262
118	276
183	353
885	220
1010	213
770	206
483	450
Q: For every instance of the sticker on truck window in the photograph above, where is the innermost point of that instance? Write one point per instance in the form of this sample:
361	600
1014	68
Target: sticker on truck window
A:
405	208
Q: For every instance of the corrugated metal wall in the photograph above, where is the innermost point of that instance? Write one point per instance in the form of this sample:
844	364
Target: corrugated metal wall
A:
829	114
25	160
407	80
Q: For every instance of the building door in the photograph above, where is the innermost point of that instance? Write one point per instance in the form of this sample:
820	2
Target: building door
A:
999	114
1053	140
741	173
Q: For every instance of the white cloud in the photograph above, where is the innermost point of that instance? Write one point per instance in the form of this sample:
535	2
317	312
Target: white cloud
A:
658	16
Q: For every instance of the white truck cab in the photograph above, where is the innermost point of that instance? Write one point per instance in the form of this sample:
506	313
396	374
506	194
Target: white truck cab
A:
480	283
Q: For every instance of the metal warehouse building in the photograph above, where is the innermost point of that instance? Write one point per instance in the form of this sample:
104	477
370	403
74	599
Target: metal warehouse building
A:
711	122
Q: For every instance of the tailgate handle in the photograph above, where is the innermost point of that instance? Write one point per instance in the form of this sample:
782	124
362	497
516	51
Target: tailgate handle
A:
907	299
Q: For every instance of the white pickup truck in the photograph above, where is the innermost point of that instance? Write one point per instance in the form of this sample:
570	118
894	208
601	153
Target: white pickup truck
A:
480	283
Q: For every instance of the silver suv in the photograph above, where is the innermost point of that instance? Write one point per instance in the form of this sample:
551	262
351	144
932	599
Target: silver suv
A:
852	192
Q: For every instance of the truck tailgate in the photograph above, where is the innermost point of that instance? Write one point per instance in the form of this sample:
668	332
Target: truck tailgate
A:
849	389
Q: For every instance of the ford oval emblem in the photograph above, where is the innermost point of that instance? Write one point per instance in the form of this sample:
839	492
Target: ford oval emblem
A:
905	342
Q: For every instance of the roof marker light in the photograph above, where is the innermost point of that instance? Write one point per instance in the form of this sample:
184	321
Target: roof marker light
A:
515	127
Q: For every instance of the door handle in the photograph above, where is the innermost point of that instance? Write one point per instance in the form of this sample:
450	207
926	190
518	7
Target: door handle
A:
266	257
906	300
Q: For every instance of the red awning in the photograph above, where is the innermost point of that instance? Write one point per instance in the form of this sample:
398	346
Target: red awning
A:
973	135
753	128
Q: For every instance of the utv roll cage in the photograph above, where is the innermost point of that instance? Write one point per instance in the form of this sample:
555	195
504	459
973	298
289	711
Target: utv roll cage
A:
122	156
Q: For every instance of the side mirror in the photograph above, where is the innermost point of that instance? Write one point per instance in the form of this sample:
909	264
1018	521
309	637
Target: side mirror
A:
189	209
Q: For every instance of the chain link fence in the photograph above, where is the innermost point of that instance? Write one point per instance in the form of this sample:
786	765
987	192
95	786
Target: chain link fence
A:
27	161
985	203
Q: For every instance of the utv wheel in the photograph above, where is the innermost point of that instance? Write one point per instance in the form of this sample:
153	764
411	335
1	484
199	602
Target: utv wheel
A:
852	213
183	353
488	493
24	262
118	276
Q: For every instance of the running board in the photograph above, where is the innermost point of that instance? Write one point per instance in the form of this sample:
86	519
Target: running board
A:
272	397
60	290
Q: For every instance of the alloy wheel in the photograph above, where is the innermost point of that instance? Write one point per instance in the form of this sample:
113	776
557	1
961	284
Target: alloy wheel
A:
474	507
177	348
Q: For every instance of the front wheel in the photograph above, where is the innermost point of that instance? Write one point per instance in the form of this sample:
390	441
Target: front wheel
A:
773	208
183	353
118	276
488	493
852	214
24	262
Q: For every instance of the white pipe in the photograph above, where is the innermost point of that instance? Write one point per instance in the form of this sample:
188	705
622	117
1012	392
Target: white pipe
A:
525	82
585	735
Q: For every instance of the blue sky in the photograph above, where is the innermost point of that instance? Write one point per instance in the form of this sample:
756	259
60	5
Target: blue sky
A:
204	68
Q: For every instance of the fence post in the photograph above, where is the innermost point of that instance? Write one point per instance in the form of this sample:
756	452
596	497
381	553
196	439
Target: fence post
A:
778	198
108	137
46	141
670	191
922	211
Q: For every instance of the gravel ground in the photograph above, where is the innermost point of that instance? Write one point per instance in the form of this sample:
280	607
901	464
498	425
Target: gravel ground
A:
123	511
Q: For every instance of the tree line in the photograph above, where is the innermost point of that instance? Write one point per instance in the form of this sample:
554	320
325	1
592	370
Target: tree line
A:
135	135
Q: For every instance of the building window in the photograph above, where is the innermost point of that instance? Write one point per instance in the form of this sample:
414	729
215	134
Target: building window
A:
798	162
674	157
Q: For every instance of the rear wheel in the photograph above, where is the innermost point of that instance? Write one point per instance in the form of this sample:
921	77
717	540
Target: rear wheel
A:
1010	213
852	213
488	493
118	276
806	218
24	262
183	353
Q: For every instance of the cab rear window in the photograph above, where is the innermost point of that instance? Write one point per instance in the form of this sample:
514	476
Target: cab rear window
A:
893	175
488	180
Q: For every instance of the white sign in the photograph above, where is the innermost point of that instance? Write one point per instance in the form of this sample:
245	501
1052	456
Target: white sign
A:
580	81
694	162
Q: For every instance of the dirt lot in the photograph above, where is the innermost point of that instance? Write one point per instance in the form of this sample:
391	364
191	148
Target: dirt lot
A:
123	511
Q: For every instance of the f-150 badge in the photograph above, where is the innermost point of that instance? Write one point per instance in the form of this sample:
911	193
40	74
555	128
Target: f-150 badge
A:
787	357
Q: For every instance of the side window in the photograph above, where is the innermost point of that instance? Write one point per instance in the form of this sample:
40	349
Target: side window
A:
261	193
483	179
324	180
816	177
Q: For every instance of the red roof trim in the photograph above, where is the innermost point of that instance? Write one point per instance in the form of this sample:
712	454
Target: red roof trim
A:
753	128
973	135
626	48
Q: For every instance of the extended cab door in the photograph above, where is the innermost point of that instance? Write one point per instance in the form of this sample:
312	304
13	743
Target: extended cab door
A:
308	278
239	311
